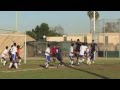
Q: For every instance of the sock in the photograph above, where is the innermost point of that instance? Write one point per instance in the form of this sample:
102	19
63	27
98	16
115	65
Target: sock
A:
15	64
72	62
19	62
4	62
88	61
10	65
46	64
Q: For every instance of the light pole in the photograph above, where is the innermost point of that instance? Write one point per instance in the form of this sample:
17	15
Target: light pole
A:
94	25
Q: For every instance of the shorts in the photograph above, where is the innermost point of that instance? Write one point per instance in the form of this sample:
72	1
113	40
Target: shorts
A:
53	54
13	56
59	58
48	58
77	54
81	56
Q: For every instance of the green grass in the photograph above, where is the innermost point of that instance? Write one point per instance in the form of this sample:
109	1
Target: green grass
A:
102	69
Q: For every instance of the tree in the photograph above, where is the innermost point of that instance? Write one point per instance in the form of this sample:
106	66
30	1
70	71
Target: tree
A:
41	30
91	16
111	27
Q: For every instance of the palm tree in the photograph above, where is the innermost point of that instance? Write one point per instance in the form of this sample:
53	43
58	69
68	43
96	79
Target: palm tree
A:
90	15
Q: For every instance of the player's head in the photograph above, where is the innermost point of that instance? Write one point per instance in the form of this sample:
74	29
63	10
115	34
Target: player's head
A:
14	44
6	47
18	46
78	40
92	41
48	45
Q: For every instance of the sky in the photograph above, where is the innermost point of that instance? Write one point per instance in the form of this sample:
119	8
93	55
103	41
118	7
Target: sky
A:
72	21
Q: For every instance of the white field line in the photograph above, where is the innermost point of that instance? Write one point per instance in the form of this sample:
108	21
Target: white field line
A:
22	70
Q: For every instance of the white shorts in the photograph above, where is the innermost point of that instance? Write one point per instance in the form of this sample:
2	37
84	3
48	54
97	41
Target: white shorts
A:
3	55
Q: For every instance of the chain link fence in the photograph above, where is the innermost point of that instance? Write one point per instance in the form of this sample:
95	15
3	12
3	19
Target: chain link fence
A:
108	38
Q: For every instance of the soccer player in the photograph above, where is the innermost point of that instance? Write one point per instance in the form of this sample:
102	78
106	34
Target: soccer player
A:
4	54
53	50
82	53
47	56
59	55
71	54
77	50
19	54
10	54
13	53
93	51
88	55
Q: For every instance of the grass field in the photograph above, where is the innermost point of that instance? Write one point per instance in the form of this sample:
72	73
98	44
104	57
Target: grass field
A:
102	69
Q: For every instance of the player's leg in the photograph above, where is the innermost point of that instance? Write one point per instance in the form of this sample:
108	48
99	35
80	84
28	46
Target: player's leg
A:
15	62
88	60
47	61
54	57
19	60
80	60
92	57
77	56
60	60
4	61
11	60
1	60
71	60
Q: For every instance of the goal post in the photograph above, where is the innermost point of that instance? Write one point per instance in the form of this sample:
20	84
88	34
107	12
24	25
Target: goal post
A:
7	40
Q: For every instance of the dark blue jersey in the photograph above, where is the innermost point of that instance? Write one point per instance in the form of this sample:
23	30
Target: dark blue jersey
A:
59	53
93	47
78	46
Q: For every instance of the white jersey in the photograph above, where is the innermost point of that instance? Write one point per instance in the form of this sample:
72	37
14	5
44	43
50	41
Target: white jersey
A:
47	51
14	50
82	49
4	53
71	51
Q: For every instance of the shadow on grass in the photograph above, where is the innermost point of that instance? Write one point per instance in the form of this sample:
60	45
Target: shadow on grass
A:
95	74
